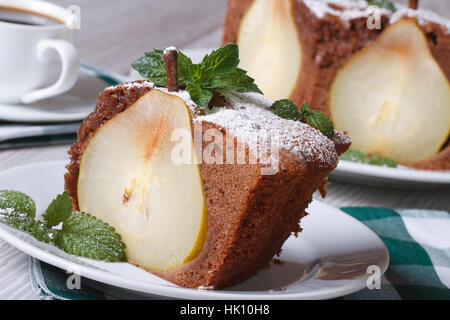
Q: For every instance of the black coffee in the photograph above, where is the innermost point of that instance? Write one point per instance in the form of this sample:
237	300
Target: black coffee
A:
25	17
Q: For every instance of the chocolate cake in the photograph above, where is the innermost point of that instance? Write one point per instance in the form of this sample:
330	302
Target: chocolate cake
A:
249	214
331	32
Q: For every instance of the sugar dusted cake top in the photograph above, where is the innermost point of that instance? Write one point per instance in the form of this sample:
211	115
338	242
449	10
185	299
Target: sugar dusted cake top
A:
353	9
251	121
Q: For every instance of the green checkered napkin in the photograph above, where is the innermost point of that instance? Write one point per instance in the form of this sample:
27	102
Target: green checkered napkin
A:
418	242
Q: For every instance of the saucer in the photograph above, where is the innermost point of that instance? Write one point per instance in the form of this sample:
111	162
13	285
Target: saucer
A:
72	105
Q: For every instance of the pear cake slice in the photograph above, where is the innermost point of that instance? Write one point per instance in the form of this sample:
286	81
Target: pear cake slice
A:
385	81
210	224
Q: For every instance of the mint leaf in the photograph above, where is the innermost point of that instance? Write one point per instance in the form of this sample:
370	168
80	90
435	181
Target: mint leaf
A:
18	202
222	60
81	234
354	156
238	80
200	96
58	210
37	229
387	4
374	159
378	160
151	66
86	236
321	122
217	71
387	162
286	109
317	119
305	108
18	210
184	69
361	157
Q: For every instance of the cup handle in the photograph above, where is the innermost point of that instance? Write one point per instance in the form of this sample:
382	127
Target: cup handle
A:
69	70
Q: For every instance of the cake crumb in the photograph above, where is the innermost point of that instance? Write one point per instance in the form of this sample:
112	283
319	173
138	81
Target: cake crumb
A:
278	261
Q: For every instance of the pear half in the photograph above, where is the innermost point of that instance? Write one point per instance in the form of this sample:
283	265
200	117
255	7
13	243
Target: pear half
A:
393	98
128	178
269	47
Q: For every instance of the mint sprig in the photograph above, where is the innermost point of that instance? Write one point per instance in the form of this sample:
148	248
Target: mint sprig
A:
86	236
387	4
81	234
19	210
217	71
58	210
318	120
287	109
361	157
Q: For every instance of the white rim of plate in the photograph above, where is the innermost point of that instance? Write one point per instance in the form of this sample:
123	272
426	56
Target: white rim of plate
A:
403	173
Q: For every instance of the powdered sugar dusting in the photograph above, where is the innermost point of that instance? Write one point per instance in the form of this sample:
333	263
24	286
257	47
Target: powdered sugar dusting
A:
422	16
168	49
135	84
183	94
252	122
353	9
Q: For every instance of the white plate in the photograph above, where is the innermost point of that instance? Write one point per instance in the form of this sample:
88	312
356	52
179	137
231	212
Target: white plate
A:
404	177
72	105
329	258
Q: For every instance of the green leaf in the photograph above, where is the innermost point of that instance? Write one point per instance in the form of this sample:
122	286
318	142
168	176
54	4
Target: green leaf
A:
217	71
200	96
354	156
18	210
238	81
58	210
151	66
317	119
305	108
286	109
222	60
321	122
195	71
361	157
387	4
86	236
387	162
18	202
378	160
184	71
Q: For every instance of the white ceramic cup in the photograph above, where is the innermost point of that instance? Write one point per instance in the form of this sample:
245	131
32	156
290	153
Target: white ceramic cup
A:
28	62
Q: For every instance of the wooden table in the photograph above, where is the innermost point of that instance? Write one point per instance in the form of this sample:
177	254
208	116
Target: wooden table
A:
113	33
